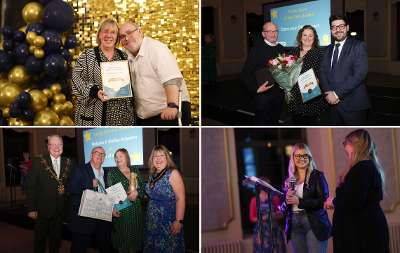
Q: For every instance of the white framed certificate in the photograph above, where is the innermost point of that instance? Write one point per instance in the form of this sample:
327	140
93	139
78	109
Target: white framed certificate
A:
116	79
308	85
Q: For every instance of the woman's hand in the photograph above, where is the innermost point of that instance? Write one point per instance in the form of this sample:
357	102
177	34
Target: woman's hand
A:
132	195
101	94
328	204
115	213
291	199
176	227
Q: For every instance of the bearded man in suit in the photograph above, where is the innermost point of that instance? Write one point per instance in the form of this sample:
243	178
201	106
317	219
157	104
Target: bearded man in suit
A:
342	71
47	196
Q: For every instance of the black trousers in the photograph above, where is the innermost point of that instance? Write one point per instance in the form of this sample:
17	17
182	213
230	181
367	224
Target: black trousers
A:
102	231
268	109
340	117
54	226
156	120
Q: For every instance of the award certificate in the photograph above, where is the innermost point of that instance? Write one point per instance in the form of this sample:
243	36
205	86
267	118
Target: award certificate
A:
118	191
116	79
308	85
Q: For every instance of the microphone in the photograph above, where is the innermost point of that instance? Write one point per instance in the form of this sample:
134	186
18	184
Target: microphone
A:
292	182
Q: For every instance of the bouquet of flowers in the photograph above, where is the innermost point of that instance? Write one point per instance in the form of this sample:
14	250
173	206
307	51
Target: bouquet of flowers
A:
286	70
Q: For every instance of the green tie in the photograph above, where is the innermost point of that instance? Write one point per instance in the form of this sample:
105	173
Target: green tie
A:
55	167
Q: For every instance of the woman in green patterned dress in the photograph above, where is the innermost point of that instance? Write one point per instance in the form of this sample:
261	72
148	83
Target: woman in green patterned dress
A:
129	223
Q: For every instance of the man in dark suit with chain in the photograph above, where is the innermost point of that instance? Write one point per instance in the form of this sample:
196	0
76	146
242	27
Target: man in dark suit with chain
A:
342	71
88	176
268	99
47	196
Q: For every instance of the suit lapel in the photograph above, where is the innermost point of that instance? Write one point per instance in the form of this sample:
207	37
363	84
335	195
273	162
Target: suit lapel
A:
345	49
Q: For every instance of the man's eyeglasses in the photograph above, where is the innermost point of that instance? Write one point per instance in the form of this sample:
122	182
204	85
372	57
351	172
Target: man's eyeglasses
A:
335	27
99	153
53	145
128	35
269	31
107	32
305	156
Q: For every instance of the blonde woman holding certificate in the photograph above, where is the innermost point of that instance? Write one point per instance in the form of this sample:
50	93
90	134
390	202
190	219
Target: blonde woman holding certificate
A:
93	109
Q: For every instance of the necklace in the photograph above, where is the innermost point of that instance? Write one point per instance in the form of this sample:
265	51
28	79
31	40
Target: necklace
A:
155	178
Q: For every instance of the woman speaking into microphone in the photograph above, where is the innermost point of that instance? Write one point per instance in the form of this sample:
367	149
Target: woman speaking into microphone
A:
307	223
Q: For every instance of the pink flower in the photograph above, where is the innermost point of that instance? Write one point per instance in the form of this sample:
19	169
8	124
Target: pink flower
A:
274	62
289	63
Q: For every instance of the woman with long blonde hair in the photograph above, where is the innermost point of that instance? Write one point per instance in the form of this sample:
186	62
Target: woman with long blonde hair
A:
307	223
359	224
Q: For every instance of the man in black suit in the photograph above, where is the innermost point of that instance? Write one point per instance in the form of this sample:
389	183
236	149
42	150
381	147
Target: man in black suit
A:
342	70
84	177
268	99
46	194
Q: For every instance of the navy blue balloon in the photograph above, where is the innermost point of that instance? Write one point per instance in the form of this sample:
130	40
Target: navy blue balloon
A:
19	36
3	122
24	99
15	112
14	104
71	42
65	53
27	114
46	84
8	44
55	65
21	53
36	27
44	2
7	32
34	65
6	61
58	15
53	41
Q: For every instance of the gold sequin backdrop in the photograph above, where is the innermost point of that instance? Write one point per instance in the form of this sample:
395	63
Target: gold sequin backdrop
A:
175	23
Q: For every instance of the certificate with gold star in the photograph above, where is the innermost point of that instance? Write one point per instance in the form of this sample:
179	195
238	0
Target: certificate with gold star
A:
116	79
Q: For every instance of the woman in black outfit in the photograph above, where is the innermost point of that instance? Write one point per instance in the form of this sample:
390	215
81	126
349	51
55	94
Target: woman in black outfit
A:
307	223
307	46
359	224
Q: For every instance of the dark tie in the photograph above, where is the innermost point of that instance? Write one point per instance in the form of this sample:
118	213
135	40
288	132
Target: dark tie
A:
333	69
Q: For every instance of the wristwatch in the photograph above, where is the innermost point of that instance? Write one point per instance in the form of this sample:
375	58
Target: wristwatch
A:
180	221
173	105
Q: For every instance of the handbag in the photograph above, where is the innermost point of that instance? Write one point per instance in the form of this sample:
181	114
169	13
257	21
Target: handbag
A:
96	205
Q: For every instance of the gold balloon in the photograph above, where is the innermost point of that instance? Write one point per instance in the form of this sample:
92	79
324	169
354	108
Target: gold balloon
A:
23	29
46	118
19	75
1	44
32	49
48	108
30	86
32	12
63	39
30	37
6	113
3	82
39	41
39	53
68	106
59	98
48	93
58	108
71	52
52	103
56	89
9	93
38	102
66	121
39	78
19	122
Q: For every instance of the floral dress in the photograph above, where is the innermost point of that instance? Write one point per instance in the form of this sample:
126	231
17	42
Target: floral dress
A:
160	216
279	246
129	227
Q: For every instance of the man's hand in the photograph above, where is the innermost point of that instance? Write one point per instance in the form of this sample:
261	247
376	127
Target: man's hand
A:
32	215
331	98
264	87
95	183
101	94
169	113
